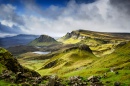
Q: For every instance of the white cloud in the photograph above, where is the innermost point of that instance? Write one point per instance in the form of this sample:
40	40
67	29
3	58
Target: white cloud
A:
57	21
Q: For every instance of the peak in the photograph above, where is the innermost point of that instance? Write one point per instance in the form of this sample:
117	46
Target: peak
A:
45	35
43	40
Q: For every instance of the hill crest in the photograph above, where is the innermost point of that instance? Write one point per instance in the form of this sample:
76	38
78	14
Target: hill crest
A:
43	40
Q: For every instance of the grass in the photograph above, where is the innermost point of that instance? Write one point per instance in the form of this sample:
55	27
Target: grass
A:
71	41
83	63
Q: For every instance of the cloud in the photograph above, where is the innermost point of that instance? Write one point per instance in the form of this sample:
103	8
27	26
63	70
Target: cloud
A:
101	15
121	5
7	12
10	21
9	30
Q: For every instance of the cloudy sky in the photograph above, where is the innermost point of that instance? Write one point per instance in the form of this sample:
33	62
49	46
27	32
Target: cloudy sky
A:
57	17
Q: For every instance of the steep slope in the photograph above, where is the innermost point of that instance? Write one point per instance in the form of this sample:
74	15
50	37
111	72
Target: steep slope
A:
21	39
78	60
43	40
67	60
11	71
112	68
101	43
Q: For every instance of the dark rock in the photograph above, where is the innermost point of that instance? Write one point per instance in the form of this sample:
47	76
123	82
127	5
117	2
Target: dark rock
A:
77	81
25	84
93	79
117	84
116	72
85	47
51	64
54	81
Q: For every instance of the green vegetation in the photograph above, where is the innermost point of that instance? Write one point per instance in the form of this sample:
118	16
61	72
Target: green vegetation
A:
90	54
77	61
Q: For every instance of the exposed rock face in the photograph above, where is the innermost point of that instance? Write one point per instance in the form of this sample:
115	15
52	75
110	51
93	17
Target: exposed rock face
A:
79	46
85	47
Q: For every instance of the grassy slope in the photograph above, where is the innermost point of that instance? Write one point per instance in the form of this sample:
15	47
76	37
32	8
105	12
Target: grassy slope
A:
100	43
80	62
8	62
118	60
68	61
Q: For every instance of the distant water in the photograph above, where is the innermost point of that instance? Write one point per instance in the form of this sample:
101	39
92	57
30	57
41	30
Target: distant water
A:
40	52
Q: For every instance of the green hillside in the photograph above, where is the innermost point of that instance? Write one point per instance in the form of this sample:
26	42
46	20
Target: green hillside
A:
82	54
11	72
101	43
118	61
80	61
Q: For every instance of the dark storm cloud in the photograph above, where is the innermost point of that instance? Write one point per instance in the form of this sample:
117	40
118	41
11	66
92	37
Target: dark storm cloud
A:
11	30
7	12
121	5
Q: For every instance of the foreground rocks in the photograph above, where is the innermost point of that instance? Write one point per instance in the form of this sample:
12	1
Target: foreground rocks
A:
95	81
77	81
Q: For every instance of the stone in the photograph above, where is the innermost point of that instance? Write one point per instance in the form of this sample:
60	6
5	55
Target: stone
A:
117	84
93	79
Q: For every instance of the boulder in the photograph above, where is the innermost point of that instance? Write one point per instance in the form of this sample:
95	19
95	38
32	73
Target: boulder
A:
93	79
77	81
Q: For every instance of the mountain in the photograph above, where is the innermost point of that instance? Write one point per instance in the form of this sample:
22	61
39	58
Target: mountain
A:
43	40
101	43
21	39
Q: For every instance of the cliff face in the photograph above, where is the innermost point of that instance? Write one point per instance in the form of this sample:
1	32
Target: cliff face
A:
83	34
101	43
43	40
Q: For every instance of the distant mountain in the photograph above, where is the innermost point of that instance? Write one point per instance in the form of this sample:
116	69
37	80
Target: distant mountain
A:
83	34
21	39
43	40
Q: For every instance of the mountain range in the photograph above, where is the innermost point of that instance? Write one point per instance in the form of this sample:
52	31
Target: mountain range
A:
79	58
21	39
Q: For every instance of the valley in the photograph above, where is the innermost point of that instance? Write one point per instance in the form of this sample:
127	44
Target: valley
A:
80	54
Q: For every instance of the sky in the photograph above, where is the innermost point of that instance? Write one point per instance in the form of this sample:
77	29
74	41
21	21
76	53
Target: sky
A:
57	17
